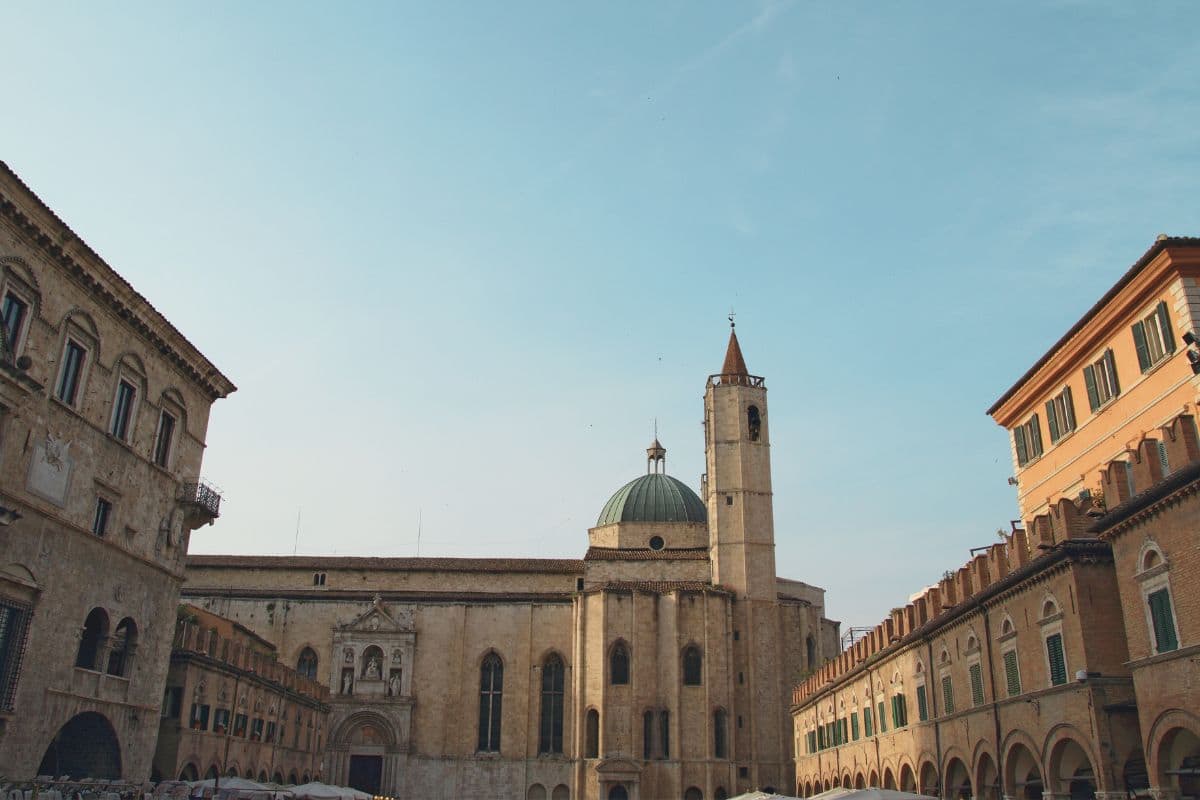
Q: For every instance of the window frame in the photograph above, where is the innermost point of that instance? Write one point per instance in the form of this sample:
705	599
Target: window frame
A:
15	617
102	515
1151	581
551	712
122	422
21	334
1102	381
491	703
78	374
1060	415
164	446
1027	441
1153	338
623	648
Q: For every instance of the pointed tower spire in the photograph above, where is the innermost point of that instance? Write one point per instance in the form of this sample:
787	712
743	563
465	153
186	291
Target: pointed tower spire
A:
734	368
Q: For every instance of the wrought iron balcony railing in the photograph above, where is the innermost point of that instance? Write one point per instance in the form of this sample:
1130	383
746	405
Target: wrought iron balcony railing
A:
202	495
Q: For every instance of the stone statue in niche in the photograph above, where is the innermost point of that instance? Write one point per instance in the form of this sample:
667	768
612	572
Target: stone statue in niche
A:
394	683
347	681
371	673
348	655
397	656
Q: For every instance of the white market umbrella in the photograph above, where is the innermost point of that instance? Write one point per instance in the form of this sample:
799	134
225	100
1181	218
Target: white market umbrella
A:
323	791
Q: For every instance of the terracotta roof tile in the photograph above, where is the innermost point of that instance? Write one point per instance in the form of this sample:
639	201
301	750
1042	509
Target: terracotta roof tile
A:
646	554
662	587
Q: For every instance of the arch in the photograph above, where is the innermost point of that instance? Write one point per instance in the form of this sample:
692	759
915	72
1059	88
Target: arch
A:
277	778
1007	626
957	783
618	792
122	647
550	732
828	784
872	780
753	423
491	692
85	747
212	773
561	792
1135	778
846	781
306	778
1022	770
189	772
306	663
292	780
262	776
618	663
693	793
810	651
889	779
987	778
1150	556
371	663
693	666
535	792
249	774
928	783
719	794
346	732
591	746
1176	749
1050	606
860	781
95	632
1070	766
908	779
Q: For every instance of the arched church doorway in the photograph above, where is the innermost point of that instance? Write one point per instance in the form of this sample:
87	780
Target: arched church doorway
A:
86	747
618	792
366	738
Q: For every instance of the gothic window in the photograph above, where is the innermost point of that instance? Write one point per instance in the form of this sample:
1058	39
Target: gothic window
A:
164	438
753	423
618	668
1154	578
692	666
810	650
71	373
551	734
592	735
720	743
306	665
491	689
123	644
95	632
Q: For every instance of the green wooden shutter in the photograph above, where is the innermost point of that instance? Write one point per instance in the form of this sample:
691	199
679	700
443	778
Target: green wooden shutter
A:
1089	378
947	695
1058	662
976	685
902	704
1011	675
854	726
882	719
1164	622
868	723
1019	441
922	704
1139	344
1164	322
1112	370
845	731
1051	421
1035	437
1068	409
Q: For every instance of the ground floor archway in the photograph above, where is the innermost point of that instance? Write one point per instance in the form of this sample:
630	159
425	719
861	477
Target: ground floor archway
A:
987	779
908	781
86	747
928	784
1179	762
957	785
1070	771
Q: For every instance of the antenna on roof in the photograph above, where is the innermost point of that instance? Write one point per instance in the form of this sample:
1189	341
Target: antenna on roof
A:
296	541
418	533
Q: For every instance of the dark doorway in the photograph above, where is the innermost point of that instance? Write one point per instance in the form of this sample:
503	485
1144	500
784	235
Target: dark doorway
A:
366	773
86	747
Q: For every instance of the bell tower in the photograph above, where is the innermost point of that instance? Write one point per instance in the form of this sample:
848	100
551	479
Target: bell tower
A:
737	492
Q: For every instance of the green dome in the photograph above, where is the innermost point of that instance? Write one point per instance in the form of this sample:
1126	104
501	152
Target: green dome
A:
653	498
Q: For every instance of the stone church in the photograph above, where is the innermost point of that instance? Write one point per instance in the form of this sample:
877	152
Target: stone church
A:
660	665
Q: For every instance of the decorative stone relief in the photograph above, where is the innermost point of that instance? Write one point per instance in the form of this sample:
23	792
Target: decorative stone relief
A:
50	469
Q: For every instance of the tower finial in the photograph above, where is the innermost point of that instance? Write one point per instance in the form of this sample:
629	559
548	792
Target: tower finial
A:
656	454
732	314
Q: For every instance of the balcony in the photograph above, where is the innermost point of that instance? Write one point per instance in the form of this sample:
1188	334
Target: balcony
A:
200	501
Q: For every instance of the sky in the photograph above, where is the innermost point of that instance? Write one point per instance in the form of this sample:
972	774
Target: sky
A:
458	257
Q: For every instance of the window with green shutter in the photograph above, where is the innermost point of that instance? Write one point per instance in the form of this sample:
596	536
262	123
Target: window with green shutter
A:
1011	675
1027	438
1152	337
1058	661
845	731
1060	414
976	684
947	694
922	704
899	711
1164	621
1100	377
868	723
881	719
854	726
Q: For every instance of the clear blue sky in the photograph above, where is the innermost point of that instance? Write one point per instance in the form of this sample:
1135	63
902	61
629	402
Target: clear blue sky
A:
457	256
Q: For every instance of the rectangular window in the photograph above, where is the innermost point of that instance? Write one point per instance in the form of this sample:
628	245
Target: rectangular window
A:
1152	337
270	732
1060	414
256	730
14	622
101	518
162	443
868	722
13	315
1058	662
821	738
976	684
947	694
221	720
922	704
1164	621
1028	440
72	371
239	725
123	410
854	726
881	720
199	718
1101	379
899	711
1011	675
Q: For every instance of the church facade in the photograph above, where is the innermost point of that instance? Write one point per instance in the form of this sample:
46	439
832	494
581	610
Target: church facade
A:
659	665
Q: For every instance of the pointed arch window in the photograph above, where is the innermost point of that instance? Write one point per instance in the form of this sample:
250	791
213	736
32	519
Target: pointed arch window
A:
753	423
123	645
693	666
306	665
91	643
550	738
491	690
618	668
810	650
